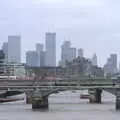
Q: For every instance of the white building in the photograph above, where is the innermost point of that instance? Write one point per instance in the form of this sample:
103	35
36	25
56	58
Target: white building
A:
5	50
14	49
80	52
32	59
50	55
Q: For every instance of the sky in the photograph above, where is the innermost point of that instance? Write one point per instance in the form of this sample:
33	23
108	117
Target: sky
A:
89	24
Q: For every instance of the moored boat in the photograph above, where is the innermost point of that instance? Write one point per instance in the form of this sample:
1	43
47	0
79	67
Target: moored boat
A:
11	96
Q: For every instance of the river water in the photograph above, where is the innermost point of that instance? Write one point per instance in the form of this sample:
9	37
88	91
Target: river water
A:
63	106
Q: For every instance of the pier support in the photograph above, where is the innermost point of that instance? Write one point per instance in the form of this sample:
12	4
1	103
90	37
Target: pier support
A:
39	101
117	99
95	95
28	97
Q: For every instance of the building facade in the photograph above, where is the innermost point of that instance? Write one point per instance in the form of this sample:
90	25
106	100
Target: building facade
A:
2	58
50	55
80	52
67	53
111	64
41	54
94	60
5	50
32	59
14	49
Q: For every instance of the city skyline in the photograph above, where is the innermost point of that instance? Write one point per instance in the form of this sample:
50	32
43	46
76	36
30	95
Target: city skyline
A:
93	26
42	47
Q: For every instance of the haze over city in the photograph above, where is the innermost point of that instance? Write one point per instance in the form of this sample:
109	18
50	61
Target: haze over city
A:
91	25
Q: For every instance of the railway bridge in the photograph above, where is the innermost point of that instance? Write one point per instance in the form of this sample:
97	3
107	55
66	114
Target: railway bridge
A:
39	90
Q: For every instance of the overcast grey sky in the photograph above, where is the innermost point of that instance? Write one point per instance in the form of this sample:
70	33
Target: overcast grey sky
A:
90	24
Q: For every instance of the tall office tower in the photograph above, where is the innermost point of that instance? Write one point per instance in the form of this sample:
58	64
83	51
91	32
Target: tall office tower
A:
2	58
14	49
39	50
111	65
80	52
39	47
94	59
5	50
65	51
114	60
41	54
32	59
42	58
50	55
72	54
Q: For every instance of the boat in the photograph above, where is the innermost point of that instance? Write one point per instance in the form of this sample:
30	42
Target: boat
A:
12	96
84	96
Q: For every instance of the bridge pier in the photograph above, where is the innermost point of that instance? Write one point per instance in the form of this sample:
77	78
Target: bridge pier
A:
39	101
117	99
28	97
95	95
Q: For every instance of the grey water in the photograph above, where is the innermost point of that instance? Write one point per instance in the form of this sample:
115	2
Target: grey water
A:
63	106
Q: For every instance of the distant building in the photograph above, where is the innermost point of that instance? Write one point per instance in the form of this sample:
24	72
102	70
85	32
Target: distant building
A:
111	64
80	52
67	53
5	50
94	60
50	56
2	58
72	54
39	47
39	50
42	58
32	59
14	49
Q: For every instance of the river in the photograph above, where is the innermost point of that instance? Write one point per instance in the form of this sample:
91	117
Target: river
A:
63	106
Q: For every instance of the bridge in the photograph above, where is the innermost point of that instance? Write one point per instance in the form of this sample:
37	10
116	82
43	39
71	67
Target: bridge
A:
38	90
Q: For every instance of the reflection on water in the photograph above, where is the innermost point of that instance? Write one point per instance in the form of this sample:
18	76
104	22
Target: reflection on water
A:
63	106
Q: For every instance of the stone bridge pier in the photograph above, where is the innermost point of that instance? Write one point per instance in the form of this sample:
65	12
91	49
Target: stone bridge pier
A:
28	97
39	100
117	99
95	95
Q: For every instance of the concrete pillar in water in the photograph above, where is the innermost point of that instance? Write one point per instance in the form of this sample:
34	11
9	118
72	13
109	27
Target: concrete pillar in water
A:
39	101
118	100
28	97
95	95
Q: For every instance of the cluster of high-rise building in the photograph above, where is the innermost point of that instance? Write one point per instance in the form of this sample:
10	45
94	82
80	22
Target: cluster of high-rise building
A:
45	55
69	53
41	57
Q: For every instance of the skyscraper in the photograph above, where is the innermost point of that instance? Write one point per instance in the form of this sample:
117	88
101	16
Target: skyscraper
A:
2	58
114	60
80	52
50	55
32	59
14	49
67	53
5	50
39	47
94	60
72	54
111	65
41	54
